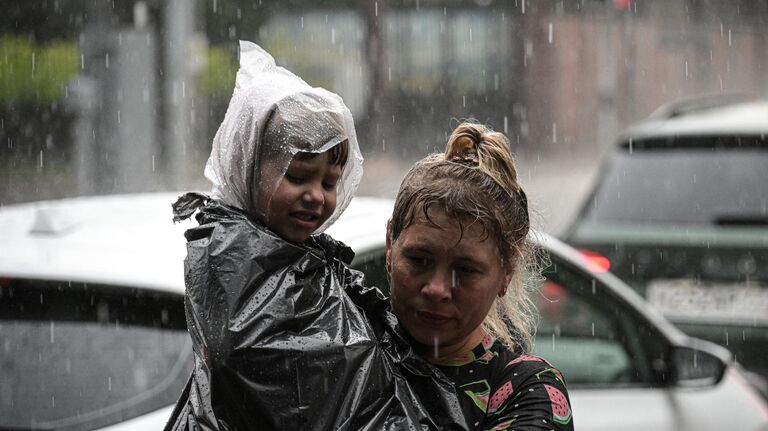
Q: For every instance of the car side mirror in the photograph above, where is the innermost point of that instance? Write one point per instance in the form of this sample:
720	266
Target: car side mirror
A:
698	363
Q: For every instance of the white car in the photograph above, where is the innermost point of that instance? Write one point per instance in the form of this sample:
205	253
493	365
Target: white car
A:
92	329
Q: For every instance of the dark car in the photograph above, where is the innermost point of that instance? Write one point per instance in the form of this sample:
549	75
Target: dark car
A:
680	212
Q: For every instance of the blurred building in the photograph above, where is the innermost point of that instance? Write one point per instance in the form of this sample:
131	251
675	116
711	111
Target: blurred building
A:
559	77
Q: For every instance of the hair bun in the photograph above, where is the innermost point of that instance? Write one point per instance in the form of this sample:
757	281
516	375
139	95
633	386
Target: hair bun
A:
479	146
463	149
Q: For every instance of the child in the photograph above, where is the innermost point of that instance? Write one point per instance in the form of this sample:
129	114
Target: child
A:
284	334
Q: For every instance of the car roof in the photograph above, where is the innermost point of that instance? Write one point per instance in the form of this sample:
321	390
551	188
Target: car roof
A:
708	118
130	240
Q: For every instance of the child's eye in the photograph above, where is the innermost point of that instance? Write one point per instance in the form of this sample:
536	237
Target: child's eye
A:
329	186
294	178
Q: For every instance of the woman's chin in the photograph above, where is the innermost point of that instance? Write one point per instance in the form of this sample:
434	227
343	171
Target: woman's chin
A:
429	339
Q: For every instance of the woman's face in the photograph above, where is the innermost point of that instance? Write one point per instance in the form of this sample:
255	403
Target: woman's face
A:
443	283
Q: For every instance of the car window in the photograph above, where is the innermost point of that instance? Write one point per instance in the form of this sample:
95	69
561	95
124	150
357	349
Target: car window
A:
689	185
593	337
78	356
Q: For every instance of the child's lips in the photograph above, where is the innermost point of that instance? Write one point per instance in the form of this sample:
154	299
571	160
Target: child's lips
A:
306	219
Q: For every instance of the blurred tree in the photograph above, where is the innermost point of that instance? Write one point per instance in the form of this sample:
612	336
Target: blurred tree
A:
217	78
35	73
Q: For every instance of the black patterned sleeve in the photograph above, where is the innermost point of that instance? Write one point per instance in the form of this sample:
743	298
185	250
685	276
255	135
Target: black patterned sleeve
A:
530	395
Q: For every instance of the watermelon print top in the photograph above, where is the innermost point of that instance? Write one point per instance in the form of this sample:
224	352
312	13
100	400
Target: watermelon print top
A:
500	390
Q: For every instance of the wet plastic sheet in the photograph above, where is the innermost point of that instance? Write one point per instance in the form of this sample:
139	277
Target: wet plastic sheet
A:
286	336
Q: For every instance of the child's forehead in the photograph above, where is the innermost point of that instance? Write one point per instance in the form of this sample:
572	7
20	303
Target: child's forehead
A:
314	162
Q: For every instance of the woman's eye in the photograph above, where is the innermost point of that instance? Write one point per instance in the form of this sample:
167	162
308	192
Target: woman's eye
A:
466	270
418	261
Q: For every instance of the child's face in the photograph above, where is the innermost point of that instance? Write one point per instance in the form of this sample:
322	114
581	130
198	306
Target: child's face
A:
305	197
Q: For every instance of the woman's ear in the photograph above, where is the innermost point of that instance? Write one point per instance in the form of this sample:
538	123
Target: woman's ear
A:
507	280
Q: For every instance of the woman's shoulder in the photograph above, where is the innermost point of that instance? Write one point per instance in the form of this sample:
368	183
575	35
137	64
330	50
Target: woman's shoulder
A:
525	369
528	390
526	363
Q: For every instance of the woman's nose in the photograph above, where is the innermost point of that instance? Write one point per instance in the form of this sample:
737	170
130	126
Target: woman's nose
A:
439	286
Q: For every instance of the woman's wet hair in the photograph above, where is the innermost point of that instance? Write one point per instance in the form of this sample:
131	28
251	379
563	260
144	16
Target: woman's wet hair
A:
475	181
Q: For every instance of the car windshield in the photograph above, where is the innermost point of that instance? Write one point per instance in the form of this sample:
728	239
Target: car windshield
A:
683	186
78	357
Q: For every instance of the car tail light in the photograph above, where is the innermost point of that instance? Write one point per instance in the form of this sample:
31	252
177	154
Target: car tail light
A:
596	262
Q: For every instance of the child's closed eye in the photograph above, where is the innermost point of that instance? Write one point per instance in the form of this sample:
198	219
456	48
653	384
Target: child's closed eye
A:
296	179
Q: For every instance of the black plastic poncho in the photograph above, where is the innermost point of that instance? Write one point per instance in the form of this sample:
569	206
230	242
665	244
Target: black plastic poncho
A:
286	336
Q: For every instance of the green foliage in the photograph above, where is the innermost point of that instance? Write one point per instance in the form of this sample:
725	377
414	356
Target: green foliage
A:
33	73
217	78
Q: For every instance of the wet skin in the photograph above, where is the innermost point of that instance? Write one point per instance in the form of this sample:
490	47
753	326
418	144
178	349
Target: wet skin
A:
443	283
304	198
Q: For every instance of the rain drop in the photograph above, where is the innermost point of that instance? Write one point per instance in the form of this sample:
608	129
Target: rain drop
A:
551	31
554	133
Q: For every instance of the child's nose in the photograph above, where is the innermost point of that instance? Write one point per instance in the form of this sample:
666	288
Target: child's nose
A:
314	195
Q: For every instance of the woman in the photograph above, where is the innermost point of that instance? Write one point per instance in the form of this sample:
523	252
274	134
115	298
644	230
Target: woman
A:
457	254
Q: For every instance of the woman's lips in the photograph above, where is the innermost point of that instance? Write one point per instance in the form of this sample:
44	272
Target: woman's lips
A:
432	319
